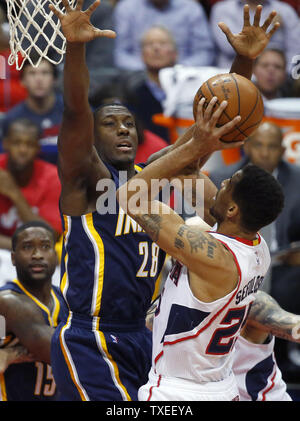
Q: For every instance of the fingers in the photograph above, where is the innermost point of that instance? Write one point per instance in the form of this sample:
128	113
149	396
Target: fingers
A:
217	114
230	145
199	116
257	15
226	128
79	5
55	11
269	20
104	33
209	108
213	117
89	11
66	5
273	30
246	15
224	28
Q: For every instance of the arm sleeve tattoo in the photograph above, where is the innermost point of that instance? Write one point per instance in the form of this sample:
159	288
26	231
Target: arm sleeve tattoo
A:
267	315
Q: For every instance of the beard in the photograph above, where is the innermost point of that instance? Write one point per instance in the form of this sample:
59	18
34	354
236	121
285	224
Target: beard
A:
37	281
217	215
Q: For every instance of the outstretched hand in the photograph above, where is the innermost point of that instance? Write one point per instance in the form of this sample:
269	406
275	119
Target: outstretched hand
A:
76	25
253	39
206	130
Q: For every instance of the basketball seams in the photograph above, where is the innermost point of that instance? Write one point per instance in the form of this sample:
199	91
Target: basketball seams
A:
238	94
249	115
241	104
253	109
228	117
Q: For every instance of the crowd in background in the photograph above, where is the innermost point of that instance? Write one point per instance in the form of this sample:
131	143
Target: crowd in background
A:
152	35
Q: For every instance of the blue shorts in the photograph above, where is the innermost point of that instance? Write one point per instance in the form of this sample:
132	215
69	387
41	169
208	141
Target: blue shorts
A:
106	363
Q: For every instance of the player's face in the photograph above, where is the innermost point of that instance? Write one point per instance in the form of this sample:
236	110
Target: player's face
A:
158	49
115	135
223	198
22	146
264	148
35	257
39	81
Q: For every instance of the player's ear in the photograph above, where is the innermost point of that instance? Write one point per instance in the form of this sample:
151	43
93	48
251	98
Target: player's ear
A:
232	210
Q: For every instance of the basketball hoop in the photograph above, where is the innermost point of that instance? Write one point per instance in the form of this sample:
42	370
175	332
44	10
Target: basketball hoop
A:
31	22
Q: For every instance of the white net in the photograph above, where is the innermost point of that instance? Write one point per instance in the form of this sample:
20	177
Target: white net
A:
35	32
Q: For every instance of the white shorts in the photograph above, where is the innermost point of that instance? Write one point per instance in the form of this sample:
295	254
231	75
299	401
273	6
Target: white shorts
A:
161	388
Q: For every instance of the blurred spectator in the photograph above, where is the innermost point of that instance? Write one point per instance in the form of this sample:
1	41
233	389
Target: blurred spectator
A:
286	37
295	4
11	89
265	149
29	187
185	19
43	106
207	5
145	93
148	142
270	75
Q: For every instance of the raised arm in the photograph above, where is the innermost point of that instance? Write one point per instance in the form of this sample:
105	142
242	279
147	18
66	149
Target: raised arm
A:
248	44
77	156
251	41
190	245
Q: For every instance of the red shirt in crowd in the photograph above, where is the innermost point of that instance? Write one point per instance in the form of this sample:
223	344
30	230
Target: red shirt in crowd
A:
42	193
152	143
11	89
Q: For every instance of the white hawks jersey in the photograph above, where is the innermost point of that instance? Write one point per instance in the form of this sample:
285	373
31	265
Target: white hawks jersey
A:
257	373
192	339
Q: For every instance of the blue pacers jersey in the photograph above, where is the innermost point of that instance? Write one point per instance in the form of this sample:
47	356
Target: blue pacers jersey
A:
109	264
31	381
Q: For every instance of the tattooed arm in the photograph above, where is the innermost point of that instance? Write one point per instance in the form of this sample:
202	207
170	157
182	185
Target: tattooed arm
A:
267	316
206	258
205	140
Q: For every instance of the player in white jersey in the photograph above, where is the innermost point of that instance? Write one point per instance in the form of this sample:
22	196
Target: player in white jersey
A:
204	332
258	375
254	365
209	290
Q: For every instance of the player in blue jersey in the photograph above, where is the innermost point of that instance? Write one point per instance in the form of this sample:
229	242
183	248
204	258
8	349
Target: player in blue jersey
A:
32	307
109	265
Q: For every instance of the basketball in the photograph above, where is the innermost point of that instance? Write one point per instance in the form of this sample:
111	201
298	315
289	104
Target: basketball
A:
243	99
